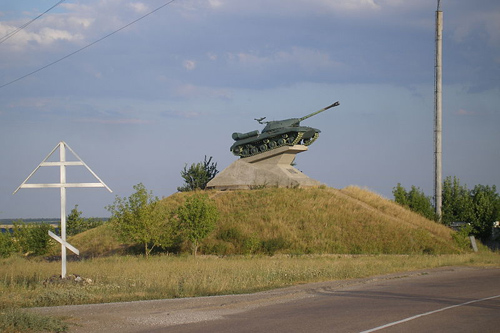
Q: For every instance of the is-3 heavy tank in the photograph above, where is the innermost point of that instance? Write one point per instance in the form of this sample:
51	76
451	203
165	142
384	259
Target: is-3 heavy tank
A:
276	133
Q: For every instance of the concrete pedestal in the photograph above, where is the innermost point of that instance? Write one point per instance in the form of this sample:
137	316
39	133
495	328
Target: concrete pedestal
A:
272	168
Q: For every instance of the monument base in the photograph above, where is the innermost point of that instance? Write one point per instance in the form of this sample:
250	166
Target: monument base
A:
272	168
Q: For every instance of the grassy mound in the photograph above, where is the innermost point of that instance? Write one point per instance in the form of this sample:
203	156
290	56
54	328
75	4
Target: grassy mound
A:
302	221
322	220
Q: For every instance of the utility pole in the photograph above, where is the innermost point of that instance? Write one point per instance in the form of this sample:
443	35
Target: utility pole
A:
438	113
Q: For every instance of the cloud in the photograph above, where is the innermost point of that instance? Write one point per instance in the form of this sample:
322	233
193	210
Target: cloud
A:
139	7
189	64
181	114
193	91
295	64
347	5
124	121
215	3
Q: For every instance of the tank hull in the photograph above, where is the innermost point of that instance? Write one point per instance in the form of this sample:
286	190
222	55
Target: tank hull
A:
291	136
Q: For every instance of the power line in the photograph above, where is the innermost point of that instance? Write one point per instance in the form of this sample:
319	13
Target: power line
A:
86	46
12	33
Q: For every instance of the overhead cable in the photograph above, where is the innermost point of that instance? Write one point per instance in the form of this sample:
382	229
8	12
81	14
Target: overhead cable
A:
86	46
12	33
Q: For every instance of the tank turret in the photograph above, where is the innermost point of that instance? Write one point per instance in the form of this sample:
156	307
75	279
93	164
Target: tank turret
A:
276	133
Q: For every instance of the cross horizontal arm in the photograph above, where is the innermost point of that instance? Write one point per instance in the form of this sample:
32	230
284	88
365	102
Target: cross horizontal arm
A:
61	163
56	185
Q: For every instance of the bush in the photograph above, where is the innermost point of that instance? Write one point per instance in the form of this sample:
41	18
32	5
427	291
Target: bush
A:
461	237
32	238
198	175
6	244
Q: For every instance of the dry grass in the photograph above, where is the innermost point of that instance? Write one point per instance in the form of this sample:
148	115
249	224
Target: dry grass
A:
127	278
325	220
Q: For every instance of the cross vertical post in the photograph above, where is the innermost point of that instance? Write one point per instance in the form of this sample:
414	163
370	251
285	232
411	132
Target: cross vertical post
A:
62	159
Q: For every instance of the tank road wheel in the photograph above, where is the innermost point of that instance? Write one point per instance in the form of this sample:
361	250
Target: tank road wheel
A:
311	140
253	150
263	147
272	144
281	142
290	140
244	152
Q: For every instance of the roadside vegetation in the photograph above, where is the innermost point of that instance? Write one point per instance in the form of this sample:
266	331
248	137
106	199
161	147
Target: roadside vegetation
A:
128	278
478	207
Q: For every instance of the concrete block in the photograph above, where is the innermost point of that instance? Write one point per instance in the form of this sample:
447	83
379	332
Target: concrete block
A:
272	168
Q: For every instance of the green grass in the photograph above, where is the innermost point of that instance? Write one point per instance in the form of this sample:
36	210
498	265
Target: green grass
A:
16	320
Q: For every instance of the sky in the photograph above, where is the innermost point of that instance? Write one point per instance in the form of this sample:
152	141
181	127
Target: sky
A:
171	88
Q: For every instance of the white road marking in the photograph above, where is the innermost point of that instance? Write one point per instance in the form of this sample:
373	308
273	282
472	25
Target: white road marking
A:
427	313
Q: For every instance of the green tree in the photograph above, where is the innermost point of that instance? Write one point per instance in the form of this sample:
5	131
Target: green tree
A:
457	202
480	206
400	195
415	200
197	176
197	219
421	203
76	224
141	219
32	238
486	210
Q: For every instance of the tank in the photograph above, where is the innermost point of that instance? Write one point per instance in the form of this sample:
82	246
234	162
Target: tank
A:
276	134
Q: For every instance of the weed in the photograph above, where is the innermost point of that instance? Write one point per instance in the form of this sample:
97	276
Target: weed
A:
16	320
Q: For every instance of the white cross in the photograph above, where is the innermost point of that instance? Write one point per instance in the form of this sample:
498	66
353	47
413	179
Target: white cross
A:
63	185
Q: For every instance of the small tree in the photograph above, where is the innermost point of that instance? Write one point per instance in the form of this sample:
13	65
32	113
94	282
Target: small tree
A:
415	200
76	224
400	195
197	219
198	175
140	219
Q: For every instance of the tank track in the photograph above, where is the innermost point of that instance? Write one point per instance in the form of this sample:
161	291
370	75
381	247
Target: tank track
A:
311	140
264	145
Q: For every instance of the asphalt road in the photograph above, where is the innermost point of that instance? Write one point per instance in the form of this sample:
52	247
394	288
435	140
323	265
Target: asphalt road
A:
441	300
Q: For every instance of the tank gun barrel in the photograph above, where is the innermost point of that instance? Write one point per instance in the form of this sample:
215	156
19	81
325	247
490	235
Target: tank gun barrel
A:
319	111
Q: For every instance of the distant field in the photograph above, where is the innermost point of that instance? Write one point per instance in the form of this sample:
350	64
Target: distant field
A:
9	222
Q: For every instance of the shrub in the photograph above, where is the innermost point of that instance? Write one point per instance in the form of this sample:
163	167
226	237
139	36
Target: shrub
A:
32	238
461	237
6	244
270	246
